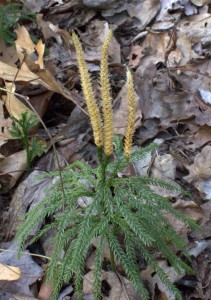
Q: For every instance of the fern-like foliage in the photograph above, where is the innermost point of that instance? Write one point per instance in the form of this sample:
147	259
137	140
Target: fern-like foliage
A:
20	130
9	17
117	205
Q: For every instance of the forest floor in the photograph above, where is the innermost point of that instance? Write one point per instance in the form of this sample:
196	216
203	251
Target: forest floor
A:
167	46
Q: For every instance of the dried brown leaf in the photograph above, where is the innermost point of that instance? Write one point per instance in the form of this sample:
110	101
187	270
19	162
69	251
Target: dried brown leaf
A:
14	106
5	125
10	73
24	44
120	112
11	168
120	288
201	168
9	273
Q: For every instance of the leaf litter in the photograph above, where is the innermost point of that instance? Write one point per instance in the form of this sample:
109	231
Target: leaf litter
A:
167	44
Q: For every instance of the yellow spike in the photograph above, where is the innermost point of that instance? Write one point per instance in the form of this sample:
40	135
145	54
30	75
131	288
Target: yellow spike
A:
106	97
93	109
131	116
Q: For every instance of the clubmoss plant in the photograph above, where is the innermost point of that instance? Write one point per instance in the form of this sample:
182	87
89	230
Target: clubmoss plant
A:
20	130
9	17
117	205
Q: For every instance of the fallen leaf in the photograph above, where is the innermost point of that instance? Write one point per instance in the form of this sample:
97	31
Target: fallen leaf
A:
24	44
164	168
201	168
144	11
8	53
36	6
201	265
50	82
200	172
142	166
16	296
96	33
5	125
154	281
189	208
164	15
14	106
12	74
135	56
190	31
200	247
45	292
120	112
11	168
40	102
204	118
66	291
205	95
40	48
29	193
200	138
47	30
9	273
119	289
200	2
107	7
181	229
29	271
106	255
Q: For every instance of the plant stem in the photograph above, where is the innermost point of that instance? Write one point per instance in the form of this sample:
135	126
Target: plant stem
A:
103	181
27	253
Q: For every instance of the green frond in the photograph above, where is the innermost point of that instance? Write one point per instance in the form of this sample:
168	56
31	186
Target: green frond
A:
158	221
98	269
10	15
161	183
144	192
161	274
81	244
78	285
107	200
57	281
44	230
142	152
134	224
59	247
125	262
20	130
